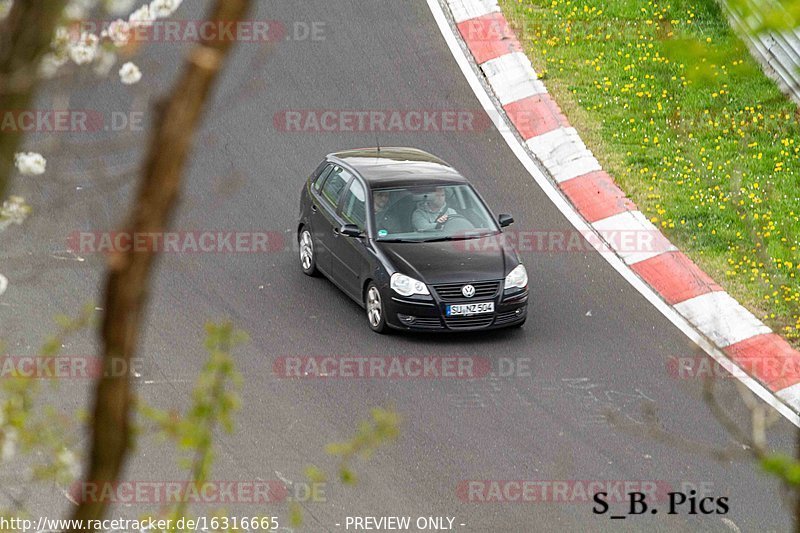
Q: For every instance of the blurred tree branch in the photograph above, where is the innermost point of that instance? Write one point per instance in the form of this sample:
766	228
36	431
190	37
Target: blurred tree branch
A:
25	36
129	272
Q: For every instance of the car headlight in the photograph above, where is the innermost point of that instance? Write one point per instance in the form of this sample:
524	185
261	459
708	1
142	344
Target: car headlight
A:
406	286
517	278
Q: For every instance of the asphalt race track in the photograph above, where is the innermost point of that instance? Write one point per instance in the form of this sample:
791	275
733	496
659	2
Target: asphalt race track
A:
592	344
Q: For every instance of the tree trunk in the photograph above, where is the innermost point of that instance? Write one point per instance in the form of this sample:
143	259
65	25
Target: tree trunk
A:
129	272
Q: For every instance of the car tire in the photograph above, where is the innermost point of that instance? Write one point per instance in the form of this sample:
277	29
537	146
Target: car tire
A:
376	316
308	258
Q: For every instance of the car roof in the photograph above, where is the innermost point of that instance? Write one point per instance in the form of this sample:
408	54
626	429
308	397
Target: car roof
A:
398	166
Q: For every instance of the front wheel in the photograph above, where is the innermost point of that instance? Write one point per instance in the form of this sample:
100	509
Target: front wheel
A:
308	260
375	310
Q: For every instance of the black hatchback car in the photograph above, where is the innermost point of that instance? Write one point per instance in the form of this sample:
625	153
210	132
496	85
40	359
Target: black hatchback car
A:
407	237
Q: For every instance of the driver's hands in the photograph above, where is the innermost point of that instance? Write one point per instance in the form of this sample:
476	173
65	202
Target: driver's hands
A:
442	219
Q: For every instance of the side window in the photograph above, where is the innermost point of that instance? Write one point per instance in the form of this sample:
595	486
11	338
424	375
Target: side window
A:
336	181
321	178
354	208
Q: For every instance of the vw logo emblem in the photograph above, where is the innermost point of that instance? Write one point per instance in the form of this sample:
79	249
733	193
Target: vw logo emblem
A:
468	291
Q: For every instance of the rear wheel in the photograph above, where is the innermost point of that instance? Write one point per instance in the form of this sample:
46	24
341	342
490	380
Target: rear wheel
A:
375	311
308	260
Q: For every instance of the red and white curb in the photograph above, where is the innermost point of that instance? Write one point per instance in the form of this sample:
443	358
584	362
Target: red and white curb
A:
686	295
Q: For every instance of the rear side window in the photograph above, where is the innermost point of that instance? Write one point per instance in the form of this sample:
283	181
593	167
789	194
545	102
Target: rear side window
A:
336	181
321	178
354	208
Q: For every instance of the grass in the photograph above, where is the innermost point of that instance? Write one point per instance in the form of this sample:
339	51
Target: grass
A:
681	115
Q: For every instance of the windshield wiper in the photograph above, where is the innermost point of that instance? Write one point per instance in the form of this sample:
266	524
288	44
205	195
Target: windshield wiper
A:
445	238
459	237
448	238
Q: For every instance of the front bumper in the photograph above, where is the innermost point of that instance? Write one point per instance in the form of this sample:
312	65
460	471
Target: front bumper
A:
430	314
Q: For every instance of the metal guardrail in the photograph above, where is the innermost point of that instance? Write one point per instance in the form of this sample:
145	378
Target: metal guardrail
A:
778	52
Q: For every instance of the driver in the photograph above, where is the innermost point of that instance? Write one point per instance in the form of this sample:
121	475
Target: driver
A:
384	218
433	212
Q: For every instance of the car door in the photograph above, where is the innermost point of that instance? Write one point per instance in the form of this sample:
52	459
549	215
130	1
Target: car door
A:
350	256
325	202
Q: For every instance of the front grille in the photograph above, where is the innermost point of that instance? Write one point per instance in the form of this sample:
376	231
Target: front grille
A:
452	291
475	321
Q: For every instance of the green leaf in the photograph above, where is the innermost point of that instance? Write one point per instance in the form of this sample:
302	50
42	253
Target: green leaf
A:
347	476
295	515
315	475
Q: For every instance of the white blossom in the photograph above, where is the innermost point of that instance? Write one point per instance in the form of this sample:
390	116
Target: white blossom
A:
85	50
49	65
105	61
5	8
141	17
30	163
119	32
118	7
69	462
78	9
9	447
130	73
61	39
14	211
163	8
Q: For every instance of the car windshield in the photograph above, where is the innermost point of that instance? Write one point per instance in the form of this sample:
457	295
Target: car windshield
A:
430	213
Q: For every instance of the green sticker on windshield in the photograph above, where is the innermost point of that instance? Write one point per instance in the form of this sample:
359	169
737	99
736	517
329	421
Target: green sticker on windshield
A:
382	233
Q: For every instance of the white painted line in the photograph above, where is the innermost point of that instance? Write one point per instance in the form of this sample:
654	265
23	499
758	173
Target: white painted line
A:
469	9
3	284
512	77
791	395
721	318
583	163
633	237
575	219
563	153
547	145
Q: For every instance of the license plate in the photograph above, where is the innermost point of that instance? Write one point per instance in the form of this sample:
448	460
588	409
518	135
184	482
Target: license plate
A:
470	309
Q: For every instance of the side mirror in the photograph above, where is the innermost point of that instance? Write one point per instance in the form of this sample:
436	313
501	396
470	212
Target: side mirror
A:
351	230
505	220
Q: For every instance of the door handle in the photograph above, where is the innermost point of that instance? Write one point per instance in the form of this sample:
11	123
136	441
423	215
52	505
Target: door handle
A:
314	208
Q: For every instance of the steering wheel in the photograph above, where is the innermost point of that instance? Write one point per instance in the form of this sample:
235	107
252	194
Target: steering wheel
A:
457	222
454	222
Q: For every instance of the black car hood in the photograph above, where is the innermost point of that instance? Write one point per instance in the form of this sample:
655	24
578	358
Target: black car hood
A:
452	261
